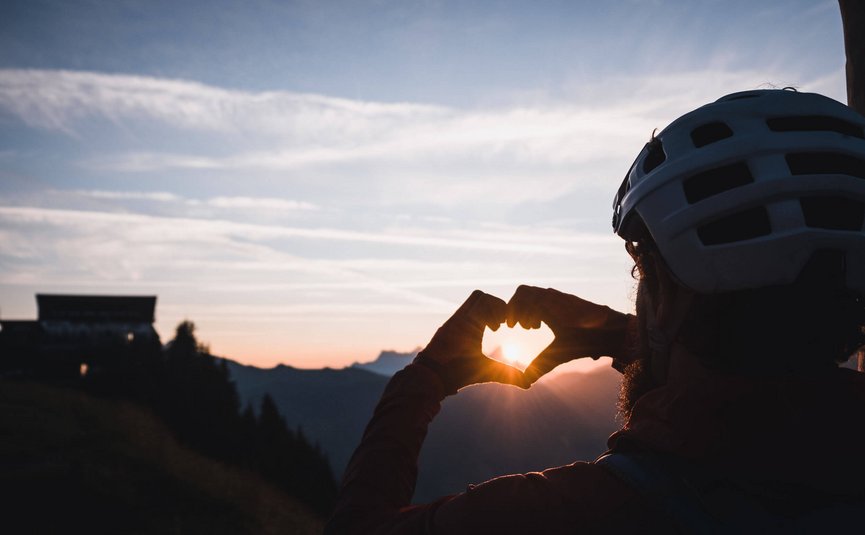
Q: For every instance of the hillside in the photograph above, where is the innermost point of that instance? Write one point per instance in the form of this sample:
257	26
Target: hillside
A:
74	463
331	406
484	431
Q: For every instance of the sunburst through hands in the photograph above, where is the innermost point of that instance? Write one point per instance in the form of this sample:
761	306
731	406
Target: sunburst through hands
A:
516	346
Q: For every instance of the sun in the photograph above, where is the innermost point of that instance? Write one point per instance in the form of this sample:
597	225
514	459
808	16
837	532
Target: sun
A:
513	352
516	346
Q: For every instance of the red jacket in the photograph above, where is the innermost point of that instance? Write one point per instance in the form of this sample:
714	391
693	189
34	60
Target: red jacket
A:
796	440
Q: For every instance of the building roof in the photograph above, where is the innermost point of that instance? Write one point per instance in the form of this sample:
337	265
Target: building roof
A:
96	308
18	325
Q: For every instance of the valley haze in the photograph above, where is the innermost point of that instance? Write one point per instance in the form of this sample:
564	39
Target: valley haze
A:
563	418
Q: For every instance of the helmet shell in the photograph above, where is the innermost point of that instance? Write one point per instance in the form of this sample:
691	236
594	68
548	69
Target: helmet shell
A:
741	192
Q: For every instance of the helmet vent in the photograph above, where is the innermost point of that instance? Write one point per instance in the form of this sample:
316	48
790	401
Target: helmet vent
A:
710	133
737	227
814	123
715	181
655	155
825	163
833	213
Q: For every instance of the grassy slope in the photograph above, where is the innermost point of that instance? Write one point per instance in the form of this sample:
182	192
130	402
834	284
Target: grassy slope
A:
71	463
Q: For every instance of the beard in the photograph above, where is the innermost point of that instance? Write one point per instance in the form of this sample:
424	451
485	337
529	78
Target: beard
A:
637	379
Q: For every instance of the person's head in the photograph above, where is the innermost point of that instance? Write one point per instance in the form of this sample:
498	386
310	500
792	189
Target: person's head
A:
745	221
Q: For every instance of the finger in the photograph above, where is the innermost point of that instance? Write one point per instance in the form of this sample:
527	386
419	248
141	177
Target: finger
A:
553	355
532	313
473	370
492	311
523	306
482	309
499	372
514	304
469	303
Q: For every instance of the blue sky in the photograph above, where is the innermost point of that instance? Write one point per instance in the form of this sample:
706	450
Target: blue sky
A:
311	182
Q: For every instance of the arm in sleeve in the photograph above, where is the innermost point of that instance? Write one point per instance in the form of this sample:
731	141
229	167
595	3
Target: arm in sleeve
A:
380	478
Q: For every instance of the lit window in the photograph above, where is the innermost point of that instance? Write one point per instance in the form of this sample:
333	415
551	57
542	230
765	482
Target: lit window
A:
130	336
83	369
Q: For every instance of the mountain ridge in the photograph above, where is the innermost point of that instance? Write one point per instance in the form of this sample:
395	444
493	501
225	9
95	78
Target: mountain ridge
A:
561	419
387	363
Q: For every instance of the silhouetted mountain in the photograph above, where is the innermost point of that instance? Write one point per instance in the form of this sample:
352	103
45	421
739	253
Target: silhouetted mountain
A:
489	430
331	406
485	431
387	363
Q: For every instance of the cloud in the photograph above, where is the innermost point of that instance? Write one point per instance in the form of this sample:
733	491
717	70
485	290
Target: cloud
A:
199	262
284	130
159	196
175	229
316	312
57	99
549	137
259	203
397	152
252	203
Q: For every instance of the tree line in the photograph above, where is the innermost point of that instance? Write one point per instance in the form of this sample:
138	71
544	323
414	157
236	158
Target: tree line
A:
193	393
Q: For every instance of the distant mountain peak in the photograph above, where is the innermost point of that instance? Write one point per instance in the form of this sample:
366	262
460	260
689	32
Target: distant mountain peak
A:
387	363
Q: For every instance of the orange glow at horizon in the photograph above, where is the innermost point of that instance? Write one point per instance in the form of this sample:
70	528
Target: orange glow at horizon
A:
517	346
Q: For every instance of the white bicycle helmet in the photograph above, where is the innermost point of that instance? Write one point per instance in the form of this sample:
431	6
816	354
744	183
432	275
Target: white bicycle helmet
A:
741	192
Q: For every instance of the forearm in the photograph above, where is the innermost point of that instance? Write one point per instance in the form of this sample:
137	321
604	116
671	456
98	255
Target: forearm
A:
380	478
617	338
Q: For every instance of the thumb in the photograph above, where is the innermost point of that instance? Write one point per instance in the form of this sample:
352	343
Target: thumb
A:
554	354
500	372
468	371
570	345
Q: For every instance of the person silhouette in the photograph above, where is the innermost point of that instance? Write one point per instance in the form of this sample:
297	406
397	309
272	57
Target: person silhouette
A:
744	219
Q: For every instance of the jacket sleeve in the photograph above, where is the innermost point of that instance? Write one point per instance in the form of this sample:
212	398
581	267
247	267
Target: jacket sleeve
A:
380	479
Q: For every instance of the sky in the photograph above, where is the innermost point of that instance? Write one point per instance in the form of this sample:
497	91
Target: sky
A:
313	182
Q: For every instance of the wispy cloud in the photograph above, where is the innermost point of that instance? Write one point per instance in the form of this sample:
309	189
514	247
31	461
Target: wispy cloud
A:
57	99
242	202
159	196
285	130
178	229
260	202
402	152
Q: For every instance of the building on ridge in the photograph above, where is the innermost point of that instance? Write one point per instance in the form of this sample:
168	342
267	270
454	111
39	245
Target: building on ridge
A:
74	334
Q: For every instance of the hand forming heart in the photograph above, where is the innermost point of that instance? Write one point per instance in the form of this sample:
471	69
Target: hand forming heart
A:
581	328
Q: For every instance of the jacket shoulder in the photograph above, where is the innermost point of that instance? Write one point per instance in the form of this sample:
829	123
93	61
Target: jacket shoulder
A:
576	498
